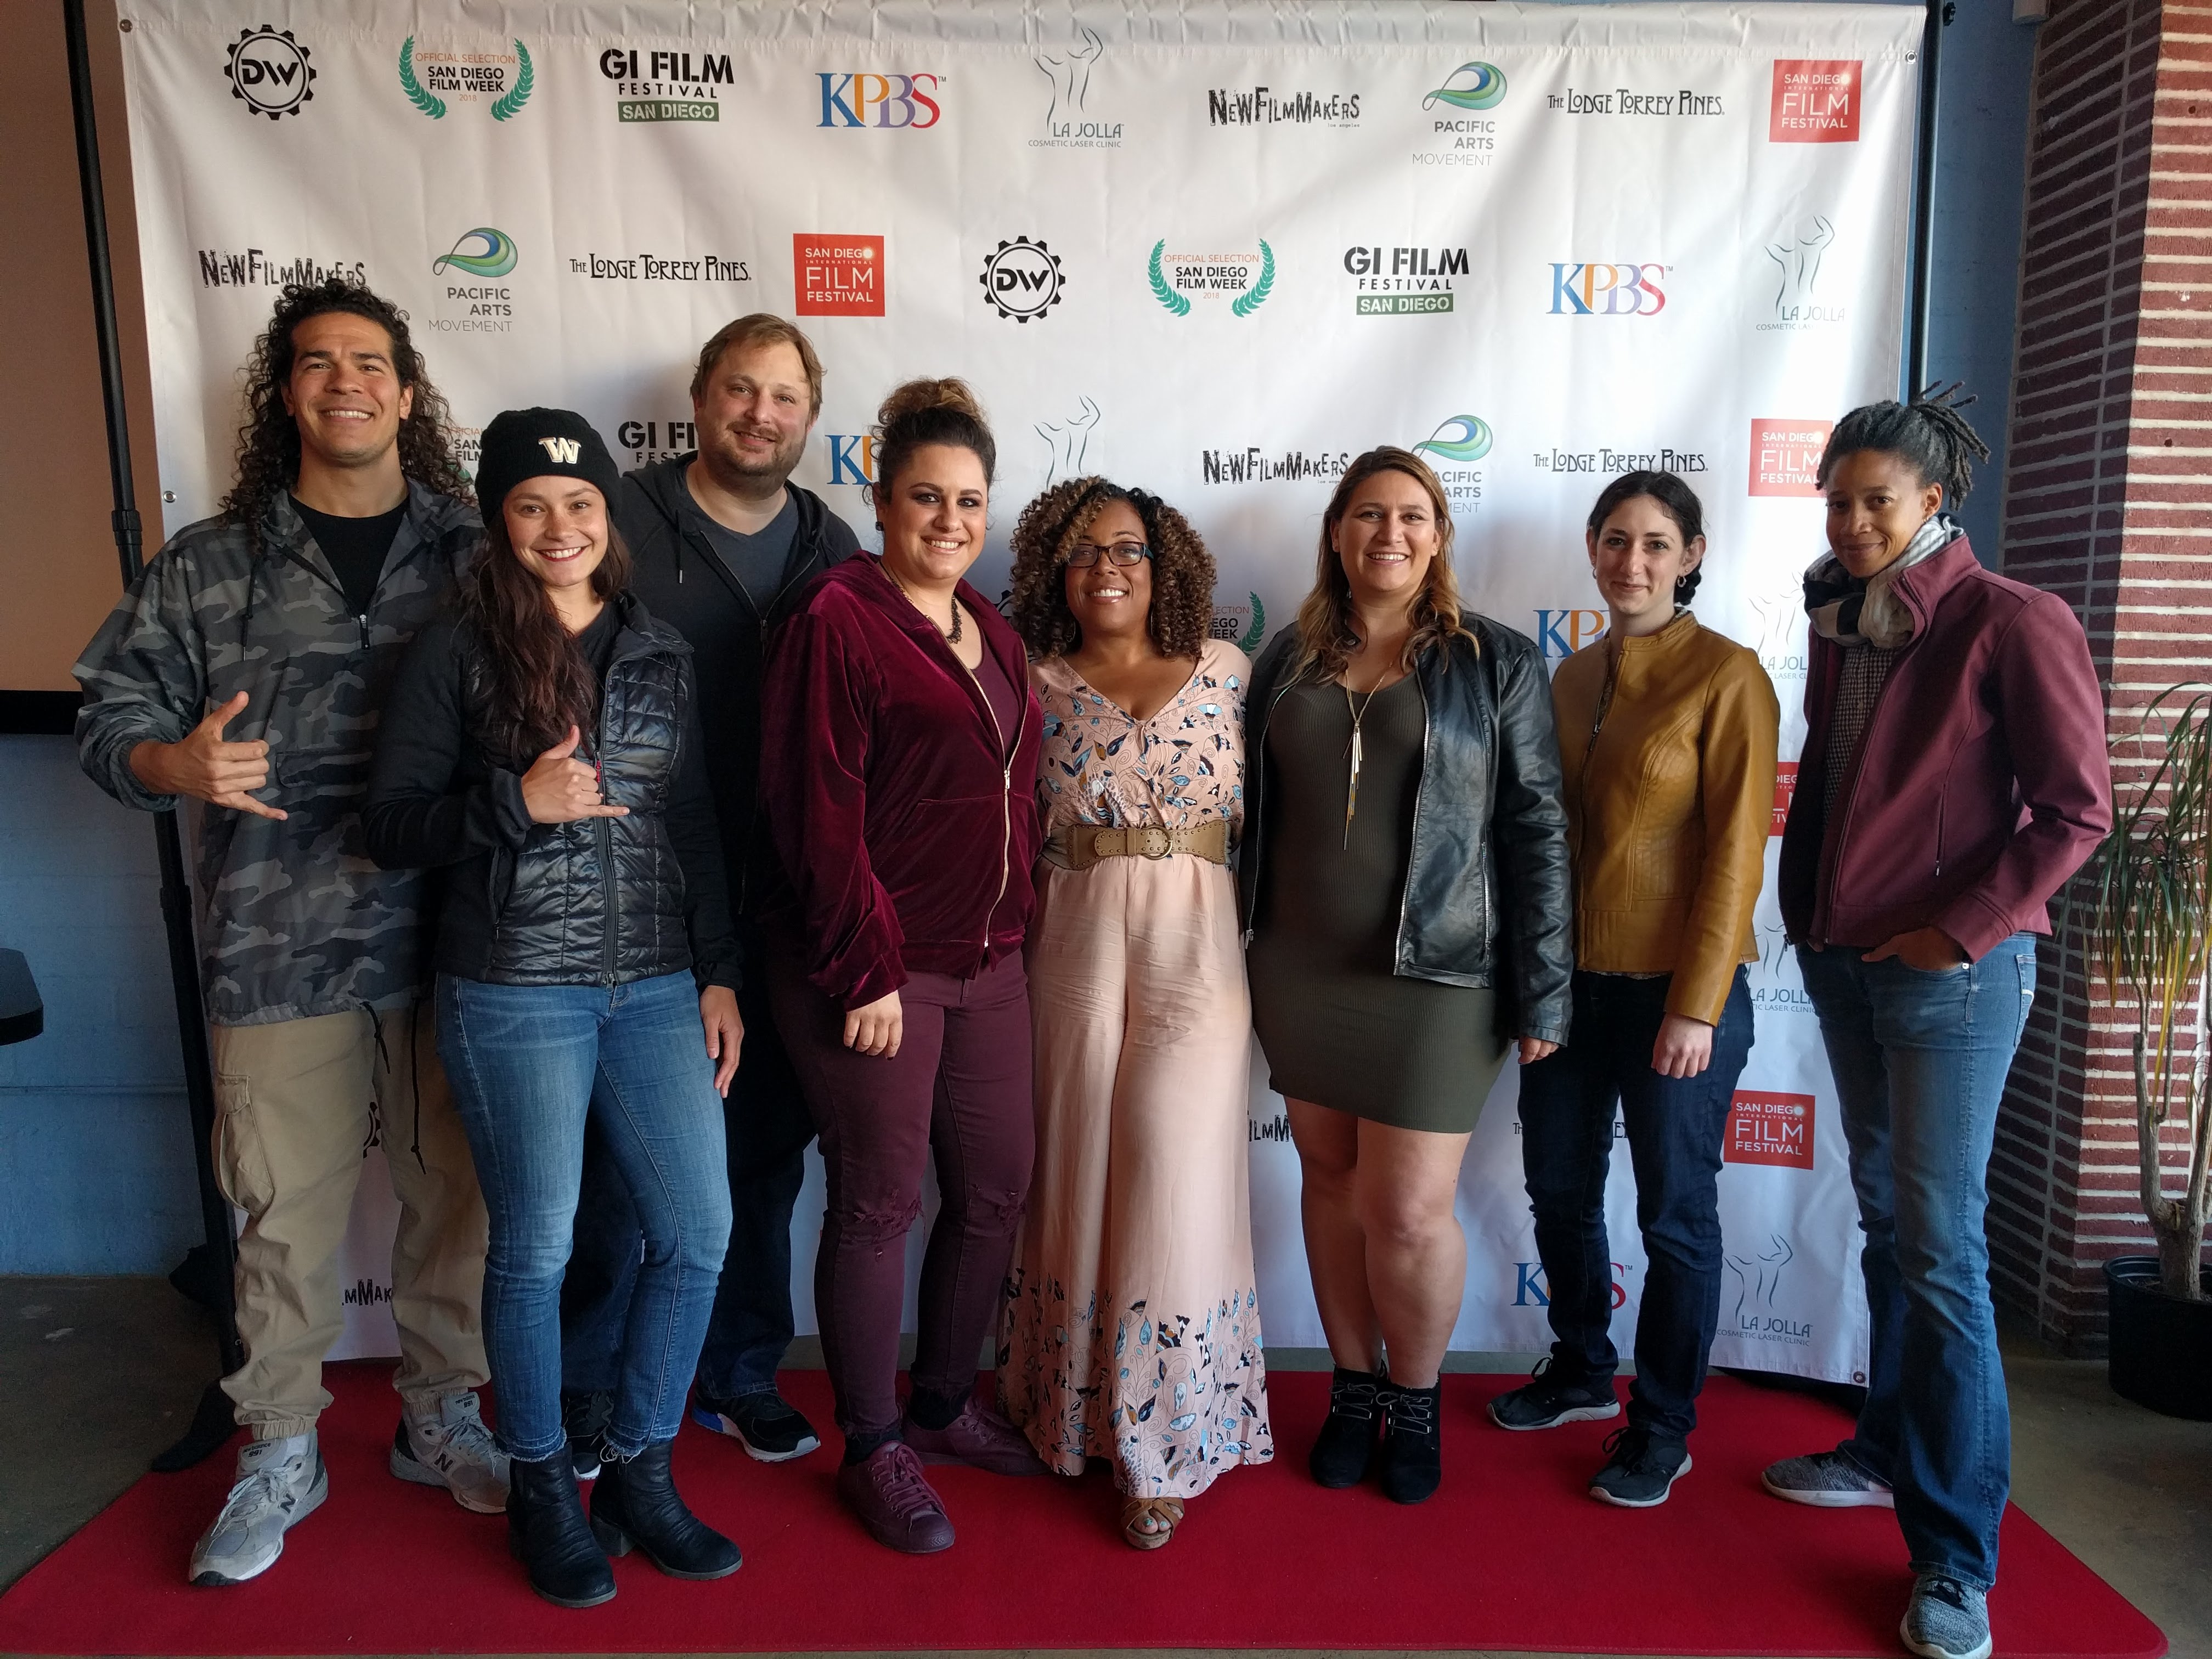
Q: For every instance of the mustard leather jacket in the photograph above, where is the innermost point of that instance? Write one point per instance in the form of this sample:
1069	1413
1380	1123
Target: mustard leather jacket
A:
1669	764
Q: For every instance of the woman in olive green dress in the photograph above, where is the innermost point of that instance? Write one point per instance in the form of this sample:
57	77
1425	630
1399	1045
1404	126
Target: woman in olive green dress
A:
1405	896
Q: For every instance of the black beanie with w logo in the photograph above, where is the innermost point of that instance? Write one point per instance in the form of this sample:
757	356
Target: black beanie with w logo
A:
535	443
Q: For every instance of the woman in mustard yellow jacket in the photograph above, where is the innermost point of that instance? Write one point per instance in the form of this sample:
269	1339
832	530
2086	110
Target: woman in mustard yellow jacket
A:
1667	737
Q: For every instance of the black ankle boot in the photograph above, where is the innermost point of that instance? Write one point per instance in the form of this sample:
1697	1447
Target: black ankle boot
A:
634	1502
548	1533
1412	1442
1340	1456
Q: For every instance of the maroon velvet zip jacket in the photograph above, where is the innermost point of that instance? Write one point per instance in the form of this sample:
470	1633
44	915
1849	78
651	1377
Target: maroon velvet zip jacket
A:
1983	782
905	821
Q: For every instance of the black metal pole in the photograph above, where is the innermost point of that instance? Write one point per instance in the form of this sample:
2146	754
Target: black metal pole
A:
212	1425
1924	224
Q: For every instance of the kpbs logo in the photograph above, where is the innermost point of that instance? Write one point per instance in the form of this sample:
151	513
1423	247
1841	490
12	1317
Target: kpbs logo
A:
862	98
1589	289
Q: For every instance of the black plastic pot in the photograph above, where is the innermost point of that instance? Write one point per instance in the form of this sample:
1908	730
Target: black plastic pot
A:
2162	1354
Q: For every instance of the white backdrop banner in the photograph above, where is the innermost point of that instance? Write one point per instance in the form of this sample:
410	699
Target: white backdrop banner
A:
1216	250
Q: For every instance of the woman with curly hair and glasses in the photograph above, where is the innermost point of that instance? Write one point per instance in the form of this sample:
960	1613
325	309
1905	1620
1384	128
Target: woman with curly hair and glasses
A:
1132	1326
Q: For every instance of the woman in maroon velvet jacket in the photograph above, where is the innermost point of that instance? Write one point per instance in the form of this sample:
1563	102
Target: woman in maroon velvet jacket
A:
898	772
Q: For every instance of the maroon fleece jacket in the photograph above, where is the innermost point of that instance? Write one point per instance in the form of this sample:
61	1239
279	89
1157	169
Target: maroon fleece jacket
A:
905	821
1983	782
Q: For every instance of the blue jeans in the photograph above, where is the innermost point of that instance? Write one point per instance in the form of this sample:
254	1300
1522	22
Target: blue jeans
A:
1920	1062
767	1130
529	1064
1677	1128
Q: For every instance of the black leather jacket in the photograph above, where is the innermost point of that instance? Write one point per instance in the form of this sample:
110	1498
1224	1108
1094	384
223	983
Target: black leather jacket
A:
593	902
1489	898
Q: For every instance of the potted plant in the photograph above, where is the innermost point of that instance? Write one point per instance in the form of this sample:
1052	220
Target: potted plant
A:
2154	906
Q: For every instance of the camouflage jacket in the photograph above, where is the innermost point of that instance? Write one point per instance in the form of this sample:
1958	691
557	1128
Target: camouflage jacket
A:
294	920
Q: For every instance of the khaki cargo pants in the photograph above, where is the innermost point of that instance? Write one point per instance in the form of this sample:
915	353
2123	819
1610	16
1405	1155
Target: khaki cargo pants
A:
297	1103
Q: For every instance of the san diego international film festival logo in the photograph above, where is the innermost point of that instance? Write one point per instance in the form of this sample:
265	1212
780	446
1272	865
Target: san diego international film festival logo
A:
1178	280
654	85
435	79
1069	122
474	301
1462	133
269	72
1022	279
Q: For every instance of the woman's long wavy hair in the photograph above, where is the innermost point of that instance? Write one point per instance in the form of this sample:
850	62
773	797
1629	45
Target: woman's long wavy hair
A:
269	438
540	684
1183	570
1329	628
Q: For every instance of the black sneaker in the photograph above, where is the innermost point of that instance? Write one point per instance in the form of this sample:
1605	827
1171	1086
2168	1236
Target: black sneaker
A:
1347	1443
1549	1398
771	1430
584	1419
1641	1468
1412	1442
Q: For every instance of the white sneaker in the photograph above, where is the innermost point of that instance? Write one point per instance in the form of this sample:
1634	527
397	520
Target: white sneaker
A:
451	1448
280	1484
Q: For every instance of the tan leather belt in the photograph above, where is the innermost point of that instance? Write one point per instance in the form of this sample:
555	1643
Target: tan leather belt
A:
1082	845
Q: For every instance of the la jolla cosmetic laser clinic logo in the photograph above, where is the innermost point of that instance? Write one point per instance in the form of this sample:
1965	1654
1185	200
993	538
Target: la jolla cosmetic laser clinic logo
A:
269	72
1800	302
1178	280
1070	122
474	300
435	79
1462	133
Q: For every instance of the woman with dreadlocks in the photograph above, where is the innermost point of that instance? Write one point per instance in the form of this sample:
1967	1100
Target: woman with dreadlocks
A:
1132	1325
1953	777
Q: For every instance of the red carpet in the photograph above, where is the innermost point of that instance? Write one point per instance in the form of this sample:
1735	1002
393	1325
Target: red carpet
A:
1510	1554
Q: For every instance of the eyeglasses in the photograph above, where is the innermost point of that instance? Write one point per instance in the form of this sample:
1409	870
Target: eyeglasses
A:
1084	555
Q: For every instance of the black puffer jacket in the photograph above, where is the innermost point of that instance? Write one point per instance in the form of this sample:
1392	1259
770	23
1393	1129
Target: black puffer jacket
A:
1489	898
593	902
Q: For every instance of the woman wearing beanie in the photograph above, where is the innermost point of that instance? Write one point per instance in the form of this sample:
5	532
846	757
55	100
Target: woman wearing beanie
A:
898	770
542	741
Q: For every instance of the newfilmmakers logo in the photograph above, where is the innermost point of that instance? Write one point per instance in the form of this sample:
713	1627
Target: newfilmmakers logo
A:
1253	465
1264	107
1403	282
252	268
666	86
433	79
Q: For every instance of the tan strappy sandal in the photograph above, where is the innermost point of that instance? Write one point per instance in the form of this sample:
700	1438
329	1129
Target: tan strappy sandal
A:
1149	1522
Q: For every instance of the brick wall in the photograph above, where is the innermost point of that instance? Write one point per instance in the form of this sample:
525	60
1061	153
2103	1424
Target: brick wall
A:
2108	502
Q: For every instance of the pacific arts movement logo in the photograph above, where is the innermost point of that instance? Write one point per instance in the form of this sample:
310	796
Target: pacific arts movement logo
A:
1178	280
1464	133
1458	443
269	72
486	305
1022	279
433	78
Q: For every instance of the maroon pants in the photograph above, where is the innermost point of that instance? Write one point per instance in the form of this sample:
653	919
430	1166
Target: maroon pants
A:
959	1090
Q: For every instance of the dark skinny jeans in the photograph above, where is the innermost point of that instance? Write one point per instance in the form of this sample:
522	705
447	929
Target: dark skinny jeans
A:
1677	1128
959	1091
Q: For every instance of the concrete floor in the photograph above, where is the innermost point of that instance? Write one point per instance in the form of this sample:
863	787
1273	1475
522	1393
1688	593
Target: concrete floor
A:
96	1375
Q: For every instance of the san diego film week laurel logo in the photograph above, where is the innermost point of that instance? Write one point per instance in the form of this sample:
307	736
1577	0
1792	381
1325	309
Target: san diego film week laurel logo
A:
269	72
1179	279
433	79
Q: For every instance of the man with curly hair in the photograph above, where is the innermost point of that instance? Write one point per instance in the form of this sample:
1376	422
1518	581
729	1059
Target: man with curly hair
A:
245	669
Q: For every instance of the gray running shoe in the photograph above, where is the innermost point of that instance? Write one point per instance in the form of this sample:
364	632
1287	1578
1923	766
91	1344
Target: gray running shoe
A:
1827	1480
1640	1469
1549	1398
1946	1619
451	1448
280	1484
